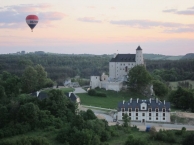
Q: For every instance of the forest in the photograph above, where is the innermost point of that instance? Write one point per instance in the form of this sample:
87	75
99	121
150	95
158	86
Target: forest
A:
22	114
61	66
28	120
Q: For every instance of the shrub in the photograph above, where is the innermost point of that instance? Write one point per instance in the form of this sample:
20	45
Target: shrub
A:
92	92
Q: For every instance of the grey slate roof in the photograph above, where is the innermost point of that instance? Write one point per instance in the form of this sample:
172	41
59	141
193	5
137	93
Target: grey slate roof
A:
138	48
124	58
41	95
71	96
152	105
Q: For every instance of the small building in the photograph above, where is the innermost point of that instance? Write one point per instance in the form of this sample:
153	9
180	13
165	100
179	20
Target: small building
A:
73	97
67	82
152	110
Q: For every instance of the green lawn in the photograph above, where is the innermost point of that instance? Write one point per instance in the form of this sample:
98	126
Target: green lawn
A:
65	90
112	99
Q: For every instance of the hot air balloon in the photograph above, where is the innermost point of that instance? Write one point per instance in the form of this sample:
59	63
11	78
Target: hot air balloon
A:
32	20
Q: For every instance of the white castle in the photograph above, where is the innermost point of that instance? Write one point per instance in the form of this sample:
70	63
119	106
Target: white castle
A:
119	67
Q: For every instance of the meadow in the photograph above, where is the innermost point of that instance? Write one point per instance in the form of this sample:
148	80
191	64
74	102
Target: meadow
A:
174	85
112	99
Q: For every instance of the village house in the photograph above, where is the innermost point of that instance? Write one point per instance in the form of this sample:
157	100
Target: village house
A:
145	110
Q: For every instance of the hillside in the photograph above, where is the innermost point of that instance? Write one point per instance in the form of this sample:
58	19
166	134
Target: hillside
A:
188	56
161	57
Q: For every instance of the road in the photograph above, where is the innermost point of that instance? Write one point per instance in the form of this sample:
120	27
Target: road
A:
142	126
79	90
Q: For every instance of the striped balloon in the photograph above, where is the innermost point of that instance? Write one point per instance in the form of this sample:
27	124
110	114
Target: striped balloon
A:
32	20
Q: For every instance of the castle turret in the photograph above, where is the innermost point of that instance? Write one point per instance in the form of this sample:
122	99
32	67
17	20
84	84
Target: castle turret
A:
139	56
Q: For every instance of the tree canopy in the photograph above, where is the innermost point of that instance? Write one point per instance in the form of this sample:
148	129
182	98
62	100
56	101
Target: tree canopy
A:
139	77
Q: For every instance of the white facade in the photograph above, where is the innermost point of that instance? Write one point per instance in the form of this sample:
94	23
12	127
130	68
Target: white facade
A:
145	110
94	82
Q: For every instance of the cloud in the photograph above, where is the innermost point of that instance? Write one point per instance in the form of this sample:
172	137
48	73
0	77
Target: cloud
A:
188	11
13	16
89	19
168	27
145	23
170	10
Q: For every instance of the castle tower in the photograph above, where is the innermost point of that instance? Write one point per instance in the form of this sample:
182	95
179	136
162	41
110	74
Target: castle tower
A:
139	56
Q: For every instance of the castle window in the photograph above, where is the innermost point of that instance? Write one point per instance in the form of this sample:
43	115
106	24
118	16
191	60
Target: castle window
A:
143	114
163	118
149	118
126	69
156	114
136	118
156	110
163	114
123	109
163	109
150	110
136	114
150	114
122	114
129	114
136	110
156	118
129	109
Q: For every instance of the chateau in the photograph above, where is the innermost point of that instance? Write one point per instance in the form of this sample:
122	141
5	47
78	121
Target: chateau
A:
119	67
145	110
120	64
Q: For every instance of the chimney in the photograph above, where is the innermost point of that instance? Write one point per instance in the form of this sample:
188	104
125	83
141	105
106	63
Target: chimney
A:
150	100
164	102
137	100
131	100
70	94
156	100
123	101
37	93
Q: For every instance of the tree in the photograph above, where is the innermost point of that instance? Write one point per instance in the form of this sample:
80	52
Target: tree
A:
29	80
160	89
189	139
139	77
153	132
182	99
126	120
28	113
41	76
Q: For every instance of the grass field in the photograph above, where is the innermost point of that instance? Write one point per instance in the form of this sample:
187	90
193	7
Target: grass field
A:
174	85
65	90
112	99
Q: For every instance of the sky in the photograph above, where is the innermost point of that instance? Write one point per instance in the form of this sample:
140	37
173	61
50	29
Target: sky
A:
98	26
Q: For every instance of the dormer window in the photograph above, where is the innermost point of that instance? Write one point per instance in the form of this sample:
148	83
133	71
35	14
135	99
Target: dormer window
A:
143	107
163	110
150	110
130	109
136	109
157	110
123	109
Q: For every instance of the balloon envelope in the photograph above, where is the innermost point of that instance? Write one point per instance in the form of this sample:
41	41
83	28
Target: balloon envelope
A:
32	20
